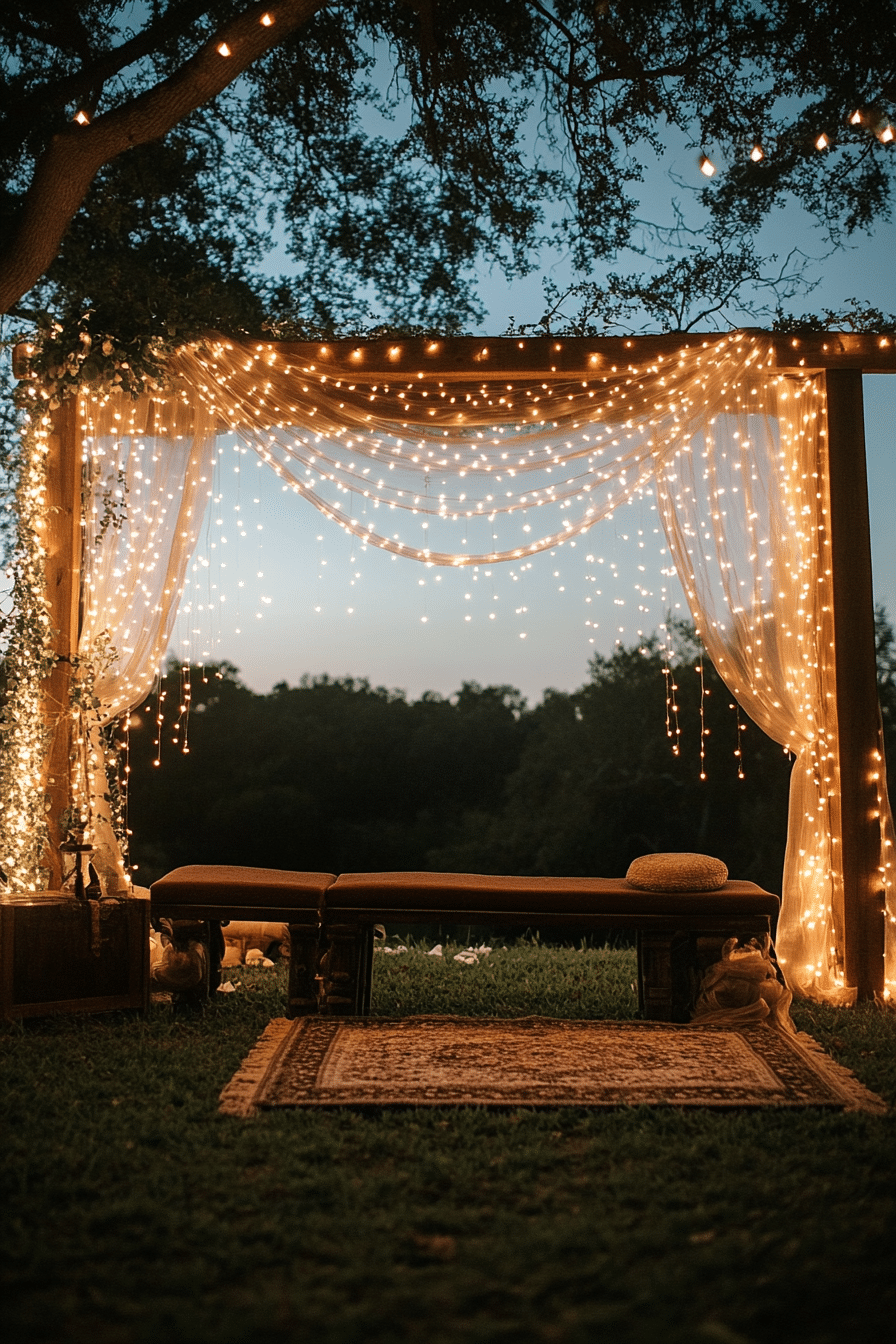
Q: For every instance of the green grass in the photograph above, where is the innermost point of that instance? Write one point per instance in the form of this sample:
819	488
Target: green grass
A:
133	1212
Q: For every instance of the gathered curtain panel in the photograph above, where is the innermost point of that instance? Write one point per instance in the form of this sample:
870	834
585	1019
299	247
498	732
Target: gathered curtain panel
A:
484	465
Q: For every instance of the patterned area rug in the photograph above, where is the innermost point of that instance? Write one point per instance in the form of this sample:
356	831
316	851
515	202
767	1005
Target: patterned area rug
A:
535	1061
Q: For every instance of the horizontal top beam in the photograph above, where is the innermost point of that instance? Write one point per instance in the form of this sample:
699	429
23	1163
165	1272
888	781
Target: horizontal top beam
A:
573	355
864	351
494	356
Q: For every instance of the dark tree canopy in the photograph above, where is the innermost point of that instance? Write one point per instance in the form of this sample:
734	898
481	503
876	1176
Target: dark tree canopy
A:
395	144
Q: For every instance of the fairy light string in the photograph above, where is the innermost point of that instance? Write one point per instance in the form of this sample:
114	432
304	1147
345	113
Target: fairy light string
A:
704	729
738	751
673	727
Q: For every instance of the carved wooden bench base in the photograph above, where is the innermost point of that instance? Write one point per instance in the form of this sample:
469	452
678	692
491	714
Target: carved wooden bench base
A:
209	895
304	957
678	934
671	962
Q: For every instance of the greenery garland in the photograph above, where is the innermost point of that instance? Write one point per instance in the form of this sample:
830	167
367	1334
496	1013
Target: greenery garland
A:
69	355
29	659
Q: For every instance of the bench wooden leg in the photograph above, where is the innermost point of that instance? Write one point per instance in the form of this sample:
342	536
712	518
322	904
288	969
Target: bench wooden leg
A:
346	970
304	954
365	985
667	979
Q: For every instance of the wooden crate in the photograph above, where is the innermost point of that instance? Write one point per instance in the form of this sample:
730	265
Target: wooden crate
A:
60	955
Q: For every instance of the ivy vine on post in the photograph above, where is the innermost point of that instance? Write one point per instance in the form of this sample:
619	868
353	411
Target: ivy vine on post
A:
58	364
28	661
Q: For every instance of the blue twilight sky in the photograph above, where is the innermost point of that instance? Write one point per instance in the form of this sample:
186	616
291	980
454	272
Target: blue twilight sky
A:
299	596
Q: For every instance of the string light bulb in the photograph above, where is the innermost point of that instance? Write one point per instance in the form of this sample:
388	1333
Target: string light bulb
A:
887	134
704	731
822	141
266	20
757	153
707	167
223	49
81	117
738	751
856	118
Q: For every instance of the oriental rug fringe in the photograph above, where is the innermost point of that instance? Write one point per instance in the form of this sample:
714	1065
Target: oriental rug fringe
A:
535	1061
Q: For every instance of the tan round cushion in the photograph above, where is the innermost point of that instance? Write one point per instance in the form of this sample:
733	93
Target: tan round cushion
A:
677	872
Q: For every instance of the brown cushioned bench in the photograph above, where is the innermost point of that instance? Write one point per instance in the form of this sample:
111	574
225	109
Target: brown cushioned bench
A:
331	922
679	933
199	898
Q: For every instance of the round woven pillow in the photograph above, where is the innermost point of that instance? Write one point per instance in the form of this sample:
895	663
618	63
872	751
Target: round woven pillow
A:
677	872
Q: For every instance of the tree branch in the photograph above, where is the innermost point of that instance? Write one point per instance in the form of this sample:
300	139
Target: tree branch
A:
72	159
104	65
64	24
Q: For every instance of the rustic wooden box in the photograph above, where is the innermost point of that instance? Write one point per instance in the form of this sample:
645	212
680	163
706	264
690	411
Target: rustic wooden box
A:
60	955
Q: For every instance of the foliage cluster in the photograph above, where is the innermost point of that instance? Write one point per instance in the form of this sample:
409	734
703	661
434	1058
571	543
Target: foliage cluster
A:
389	149
135	1213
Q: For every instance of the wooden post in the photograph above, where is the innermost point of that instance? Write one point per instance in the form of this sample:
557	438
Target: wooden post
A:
856	674
64	540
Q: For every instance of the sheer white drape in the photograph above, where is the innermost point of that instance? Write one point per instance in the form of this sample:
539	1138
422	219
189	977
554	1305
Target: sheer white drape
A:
744	503
148	468
485	464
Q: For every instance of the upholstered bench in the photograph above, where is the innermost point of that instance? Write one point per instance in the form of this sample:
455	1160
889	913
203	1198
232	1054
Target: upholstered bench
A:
678	932
197	899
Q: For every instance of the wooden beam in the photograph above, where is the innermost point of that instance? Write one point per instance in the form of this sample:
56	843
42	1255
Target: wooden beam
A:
834	350
578	356
856	683
486	357
493	357
63	570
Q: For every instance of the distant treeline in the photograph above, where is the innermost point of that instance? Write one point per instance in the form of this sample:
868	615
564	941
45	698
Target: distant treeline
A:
339	776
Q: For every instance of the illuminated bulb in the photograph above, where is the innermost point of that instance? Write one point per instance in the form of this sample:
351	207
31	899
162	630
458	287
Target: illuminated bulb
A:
707	167
856	118
757	153
82	118
266	20
887	135
223	49
822	142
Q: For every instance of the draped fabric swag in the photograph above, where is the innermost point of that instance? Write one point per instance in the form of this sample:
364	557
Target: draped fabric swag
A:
484	465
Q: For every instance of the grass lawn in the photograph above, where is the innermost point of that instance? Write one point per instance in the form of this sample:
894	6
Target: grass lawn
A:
134	1213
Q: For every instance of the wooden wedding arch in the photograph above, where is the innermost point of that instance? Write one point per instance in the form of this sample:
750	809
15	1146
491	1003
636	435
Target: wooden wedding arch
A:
842	358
